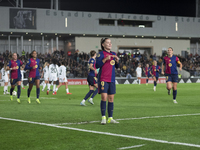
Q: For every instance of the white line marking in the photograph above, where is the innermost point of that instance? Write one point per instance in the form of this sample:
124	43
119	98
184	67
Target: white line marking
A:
103	133
132	146
30	97
148	117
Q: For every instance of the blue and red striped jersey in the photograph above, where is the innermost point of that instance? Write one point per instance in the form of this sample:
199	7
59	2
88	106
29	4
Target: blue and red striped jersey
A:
155	70
107	69
29	66
15	73
171	64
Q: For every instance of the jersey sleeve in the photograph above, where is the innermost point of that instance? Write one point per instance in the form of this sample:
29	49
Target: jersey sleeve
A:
163	60
21	63
177	60
9	64
99	62
27	67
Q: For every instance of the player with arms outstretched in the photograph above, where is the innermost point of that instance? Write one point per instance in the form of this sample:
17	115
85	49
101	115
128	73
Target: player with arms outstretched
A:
107	61
92	80
170	63
33	65
155	70
62	78
15	77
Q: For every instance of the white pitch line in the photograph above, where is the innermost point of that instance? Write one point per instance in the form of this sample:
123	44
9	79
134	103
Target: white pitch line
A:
148	117
103	133
132	146
27	97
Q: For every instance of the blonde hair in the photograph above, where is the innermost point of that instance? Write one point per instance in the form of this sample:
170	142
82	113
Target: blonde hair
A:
45	64
5	65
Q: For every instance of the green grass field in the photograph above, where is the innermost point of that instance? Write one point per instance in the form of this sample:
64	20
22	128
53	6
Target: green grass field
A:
148	120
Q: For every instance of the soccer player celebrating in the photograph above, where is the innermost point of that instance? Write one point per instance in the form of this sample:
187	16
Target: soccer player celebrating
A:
170	63
147	73
5	77
45	74
155	73
53	76
34	75
62	78
107	61
92	80
139	73
14	67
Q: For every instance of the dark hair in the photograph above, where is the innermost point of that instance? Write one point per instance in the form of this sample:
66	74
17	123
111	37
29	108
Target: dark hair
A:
54	61
92	53
171	48
102	41
31	54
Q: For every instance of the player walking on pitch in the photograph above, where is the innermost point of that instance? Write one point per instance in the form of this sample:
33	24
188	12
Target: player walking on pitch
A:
155	73
170	63
5	78
62	78
34	75
139	73
92	80
15	77
45	74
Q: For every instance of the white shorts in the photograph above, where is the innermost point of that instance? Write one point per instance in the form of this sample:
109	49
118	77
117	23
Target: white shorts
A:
5	79
139	75
61	80
53	78
46	78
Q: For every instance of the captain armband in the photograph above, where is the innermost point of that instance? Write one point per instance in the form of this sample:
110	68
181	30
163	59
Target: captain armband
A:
178	62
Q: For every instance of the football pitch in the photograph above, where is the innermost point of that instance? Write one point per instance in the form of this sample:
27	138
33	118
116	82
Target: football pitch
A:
148	120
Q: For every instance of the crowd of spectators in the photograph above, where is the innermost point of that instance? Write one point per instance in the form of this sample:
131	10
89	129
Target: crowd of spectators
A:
77	62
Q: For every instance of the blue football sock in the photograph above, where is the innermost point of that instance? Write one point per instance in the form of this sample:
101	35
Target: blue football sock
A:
18	91
110	109
103	108
11	90
88	94
174	94
38	92
95	93
147	80
28	92
154	83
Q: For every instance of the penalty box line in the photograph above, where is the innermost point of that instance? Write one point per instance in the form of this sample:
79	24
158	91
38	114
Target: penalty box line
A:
103	133
148	117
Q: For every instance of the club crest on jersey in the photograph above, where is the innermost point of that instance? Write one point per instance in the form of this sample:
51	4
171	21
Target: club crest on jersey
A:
98	55
92	61
36	66
112	62
17	67
170	64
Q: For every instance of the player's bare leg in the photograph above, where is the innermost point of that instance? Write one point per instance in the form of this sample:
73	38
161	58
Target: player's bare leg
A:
169	86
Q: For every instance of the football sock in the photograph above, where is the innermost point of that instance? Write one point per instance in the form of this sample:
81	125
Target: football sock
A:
4	89
11	90
154	83
103	108
95	93
67	90
54	87
44	85
28	92
22	84
48	86
18	91
147	80
174	94
139	81
38	92
110	109
88	94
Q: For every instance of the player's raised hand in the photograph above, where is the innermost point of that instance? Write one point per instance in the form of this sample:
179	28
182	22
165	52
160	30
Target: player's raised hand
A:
33	67
115	56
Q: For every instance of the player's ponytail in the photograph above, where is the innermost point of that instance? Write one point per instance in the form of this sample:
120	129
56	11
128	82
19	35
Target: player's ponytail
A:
102	41
31	54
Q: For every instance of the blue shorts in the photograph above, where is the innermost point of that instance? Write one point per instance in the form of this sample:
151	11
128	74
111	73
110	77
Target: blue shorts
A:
107	87
14	81
32	80
155	77
171	78
91	80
